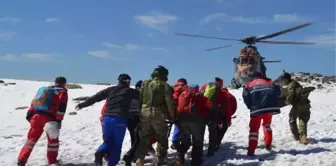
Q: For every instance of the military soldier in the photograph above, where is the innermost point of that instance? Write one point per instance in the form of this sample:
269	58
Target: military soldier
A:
300	108
157	105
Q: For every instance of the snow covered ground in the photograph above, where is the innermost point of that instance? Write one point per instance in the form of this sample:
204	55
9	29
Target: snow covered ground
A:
81	133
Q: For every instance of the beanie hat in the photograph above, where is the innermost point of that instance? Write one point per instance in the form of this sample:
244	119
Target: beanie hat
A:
194	86
219	81
124	77
138	84
60	80
183	80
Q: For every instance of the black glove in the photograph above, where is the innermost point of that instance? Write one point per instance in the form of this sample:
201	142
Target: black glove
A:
79	106
59	124
29	116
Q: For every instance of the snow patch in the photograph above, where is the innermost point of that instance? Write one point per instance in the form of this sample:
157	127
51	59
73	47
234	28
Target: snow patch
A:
81	134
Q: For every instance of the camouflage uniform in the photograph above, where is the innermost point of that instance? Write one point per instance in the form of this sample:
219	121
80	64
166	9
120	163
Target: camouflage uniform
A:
157	103
300	109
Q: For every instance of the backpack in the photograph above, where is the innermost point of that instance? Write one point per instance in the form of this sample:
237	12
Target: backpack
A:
43	98
211	90
155	92
186	101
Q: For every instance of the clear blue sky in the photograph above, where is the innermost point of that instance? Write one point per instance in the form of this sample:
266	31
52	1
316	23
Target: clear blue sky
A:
94	41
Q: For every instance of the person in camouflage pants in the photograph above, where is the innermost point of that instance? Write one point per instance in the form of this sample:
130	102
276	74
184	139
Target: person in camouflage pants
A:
157	104
300	108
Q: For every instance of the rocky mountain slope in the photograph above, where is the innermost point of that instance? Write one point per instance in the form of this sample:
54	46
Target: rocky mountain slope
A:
314	79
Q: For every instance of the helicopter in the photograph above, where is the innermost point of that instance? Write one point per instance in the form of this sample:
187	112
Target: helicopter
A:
250	60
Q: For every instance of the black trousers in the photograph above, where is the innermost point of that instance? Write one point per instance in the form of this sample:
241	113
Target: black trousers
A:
132	125
134	130
213	137
192	132
221	132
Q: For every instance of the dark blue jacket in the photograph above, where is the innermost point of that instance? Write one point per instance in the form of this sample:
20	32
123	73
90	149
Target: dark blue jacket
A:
261	96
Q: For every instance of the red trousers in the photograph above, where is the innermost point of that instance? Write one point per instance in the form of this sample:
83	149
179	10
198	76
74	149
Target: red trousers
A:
255	122
37	123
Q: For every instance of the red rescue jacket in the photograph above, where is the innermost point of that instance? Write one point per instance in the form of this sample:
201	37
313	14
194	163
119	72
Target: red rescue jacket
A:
57	111
231	105
102	112
221	101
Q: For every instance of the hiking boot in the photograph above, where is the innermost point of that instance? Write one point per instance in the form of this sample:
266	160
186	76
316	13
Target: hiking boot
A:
297	138
99	158
304	140
250	154
268	147
127	158
21	163
128	164
139	162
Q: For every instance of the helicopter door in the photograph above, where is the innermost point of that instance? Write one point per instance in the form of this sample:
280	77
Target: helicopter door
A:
245	64
245	60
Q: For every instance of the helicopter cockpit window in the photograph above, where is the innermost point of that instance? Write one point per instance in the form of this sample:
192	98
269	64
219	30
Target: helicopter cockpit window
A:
245	60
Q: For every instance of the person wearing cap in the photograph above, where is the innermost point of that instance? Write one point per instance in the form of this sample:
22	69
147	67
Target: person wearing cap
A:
46	113
157	105
178	86
192	115
261	97
300	108
118	100
217	112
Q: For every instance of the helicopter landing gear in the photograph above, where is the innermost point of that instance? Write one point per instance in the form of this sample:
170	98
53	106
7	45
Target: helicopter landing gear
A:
235	84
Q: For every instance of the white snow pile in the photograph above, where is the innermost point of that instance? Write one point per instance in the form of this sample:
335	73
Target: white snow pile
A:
81	133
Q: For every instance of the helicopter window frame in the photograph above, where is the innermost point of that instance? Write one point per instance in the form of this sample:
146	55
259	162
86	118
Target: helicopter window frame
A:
245	60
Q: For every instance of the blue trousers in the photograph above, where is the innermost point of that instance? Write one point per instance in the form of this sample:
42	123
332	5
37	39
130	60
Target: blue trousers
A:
114	129
176	133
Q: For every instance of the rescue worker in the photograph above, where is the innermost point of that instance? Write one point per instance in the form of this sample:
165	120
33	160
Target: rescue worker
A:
46	113
115	117
192	114
230	110
178	86
157	104
134	108
300	108
217	98
261	97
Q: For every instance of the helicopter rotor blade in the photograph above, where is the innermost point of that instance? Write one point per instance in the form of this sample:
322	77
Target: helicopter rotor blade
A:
285	42
284	31
215	48
272	61
209	37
